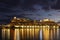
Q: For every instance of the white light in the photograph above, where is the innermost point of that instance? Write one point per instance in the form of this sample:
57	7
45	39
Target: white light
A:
22	26
46	19
44	26
16	26
48	26
14	17
40	20
53	26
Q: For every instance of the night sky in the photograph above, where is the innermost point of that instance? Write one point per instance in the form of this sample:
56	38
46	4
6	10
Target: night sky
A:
32	9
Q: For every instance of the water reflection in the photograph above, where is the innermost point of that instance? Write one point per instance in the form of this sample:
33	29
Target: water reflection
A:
5	34
40	35
16	35
46	34
31	34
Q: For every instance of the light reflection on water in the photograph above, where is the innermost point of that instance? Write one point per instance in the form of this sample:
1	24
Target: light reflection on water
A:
40	35
5	34
16	35
31	34
46	34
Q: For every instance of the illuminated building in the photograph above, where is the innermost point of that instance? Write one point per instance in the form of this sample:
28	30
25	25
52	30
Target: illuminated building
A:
23	22
30	28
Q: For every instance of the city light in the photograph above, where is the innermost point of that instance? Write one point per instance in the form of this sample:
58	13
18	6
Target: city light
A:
16	26
28	29
34	24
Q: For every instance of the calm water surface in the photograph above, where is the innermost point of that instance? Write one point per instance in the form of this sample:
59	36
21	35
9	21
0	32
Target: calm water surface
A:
31	34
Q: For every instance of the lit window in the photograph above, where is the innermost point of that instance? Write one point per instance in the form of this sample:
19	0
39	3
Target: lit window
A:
46	20
53	26
16	26
22	26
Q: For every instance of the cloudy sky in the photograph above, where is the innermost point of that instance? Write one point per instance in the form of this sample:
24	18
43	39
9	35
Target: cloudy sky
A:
33	9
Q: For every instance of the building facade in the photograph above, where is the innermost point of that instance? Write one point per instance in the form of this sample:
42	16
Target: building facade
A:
29	29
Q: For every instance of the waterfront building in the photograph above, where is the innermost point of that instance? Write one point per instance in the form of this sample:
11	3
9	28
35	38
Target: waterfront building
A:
23	22
29	29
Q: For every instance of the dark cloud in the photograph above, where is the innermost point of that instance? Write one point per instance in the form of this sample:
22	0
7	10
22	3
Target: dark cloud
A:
26	4
26	8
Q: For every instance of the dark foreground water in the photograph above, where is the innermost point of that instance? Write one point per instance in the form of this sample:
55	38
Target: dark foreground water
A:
30	34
